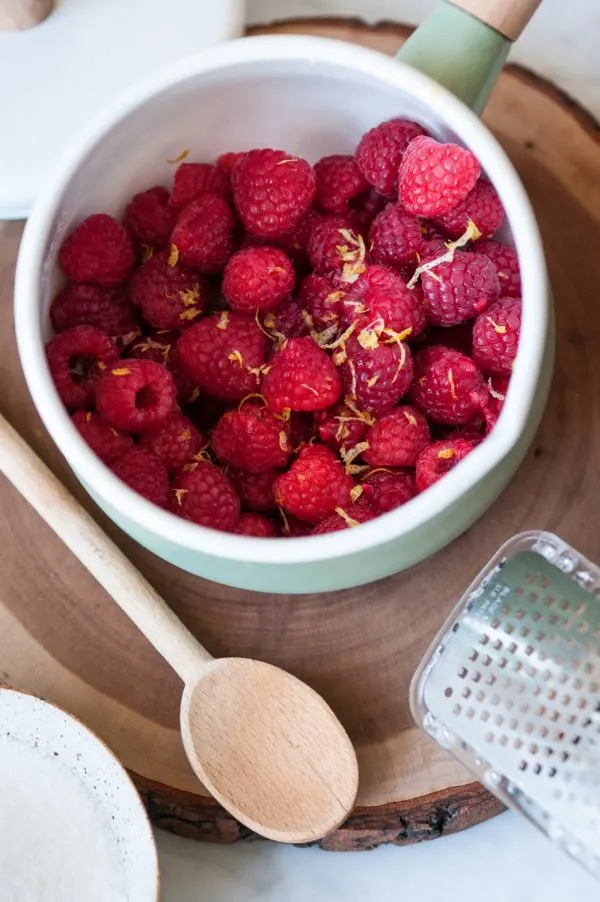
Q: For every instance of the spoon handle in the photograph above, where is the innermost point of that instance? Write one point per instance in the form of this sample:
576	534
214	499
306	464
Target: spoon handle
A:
509	17
21	14
99	554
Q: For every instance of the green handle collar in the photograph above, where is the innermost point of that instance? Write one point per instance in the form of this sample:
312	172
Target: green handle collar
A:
459	52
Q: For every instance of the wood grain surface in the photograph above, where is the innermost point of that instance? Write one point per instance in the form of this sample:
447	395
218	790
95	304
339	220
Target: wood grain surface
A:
61	637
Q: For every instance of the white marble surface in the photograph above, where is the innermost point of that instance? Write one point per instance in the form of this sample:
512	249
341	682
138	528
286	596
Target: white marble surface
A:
505	859
36	70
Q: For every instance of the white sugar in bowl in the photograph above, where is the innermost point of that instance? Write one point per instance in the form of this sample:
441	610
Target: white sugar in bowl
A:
73	827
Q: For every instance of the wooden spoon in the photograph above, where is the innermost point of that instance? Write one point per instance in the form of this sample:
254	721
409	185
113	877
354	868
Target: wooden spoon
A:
266	745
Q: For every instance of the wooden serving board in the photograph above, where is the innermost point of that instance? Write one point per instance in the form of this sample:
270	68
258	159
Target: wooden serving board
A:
61	637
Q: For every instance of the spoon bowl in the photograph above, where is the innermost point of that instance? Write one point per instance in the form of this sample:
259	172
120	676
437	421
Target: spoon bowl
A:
247	723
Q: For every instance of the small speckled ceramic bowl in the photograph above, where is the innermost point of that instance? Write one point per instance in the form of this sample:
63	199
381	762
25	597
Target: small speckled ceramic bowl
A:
42	731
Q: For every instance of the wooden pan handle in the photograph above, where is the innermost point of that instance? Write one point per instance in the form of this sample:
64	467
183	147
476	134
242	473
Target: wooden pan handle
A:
509	17
99	554
20	14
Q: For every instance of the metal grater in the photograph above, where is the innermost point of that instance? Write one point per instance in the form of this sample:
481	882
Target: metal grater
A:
511	687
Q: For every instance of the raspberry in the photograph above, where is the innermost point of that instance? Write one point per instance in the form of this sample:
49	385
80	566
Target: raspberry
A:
91	305
143	472
135	395
149	219
194	179
272	191
472	432
170	297
175	440
364	209
439	458
460	288
434	178
384	490
256	525
380	153
205	410
423	339
322	301
344	519
434	247
76	358
288	320
255	489
295	243
506	261
342	426
496	337
258	278
396	238
458	337
314	486
301	377
215	302
105	442
293	528
481	205
339	180
252	438
448	387
251	241
222	354
431	233
397	438
227	161
302	429
334	247
381	300
203	494
203	235
376	378
160	347
498	387
99	251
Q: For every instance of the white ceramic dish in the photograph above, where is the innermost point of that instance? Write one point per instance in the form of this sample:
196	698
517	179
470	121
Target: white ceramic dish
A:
49	738
311	96
64	71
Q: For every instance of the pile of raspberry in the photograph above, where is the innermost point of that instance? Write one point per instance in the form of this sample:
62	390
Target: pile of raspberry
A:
274	348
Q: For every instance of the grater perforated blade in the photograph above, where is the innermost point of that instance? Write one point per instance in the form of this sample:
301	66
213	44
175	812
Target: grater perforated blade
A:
511	687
